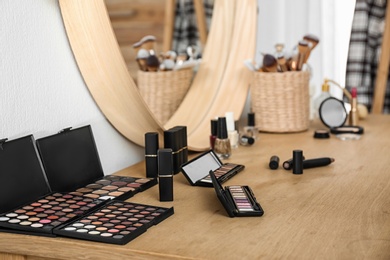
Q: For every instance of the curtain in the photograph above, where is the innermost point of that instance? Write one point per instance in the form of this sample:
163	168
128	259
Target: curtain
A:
364	50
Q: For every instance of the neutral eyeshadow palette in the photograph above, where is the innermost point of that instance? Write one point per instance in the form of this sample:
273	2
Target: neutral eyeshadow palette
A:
71	162
116	222
43	215
197	170
115	187
238	201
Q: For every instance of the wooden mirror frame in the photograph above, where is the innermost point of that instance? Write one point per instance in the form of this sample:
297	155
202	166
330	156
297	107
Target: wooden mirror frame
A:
220	85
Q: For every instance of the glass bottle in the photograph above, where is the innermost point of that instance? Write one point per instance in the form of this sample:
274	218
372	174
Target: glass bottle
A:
251	130
213	134
324	95
232	132
222	146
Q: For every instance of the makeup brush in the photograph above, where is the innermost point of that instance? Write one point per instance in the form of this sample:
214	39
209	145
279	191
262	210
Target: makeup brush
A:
152	63
270	64
303	48
282	63
147	42
167	64
313	40
142	56
250	65
187	64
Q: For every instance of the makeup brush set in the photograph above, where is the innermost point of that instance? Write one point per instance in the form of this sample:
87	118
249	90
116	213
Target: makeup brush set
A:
148	60
283	61
165	88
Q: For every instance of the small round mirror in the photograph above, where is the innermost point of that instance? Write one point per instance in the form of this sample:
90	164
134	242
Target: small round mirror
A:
332	112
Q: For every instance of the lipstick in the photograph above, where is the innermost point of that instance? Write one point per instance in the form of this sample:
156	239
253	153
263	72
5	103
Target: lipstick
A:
309	163
353	115
165	174
297	162
151	147
317	162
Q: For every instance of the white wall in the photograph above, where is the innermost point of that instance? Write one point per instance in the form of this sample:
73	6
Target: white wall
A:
41	88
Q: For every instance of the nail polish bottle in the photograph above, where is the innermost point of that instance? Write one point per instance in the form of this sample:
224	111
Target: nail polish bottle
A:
213	135
251	130
222	146
232	132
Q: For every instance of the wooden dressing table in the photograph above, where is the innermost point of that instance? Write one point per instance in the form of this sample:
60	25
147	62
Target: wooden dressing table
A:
340	211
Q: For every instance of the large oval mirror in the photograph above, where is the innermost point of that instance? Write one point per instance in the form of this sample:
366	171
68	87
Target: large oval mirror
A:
220	85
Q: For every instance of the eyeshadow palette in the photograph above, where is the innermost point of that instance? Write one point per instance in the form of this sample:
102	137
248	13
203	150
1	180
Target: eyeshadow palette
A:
43	215
71	162
115	223
238	201
197	170
115	187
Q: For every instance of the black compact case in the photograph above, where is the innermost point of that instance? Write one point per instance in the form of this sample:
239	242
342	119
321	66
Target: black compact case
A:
71	162
27	204
197	170
238	201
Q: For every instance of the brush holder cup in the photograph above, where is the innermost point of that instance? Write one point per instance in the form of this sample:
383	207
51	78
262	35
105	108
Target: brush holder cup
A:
281	101
163	91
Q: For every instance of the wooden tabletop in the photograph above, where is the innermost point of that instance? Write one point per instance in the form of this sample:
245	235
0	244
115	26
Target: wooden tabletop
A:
340	211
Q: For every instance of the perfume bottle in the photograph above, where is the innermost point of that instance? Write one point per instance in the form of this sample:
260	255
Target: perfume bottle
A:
324	95
222	146
251	130
232	132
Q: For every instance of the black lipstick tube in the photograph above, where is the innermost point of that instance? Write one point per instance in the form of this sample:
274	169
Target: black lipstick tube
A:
151	147
317	162
165	174
297	162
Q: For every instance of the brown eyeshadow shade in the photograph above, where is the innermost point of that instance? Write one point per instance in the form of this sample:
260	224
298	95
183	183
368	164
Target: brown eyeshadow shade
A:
116	193
94	186
84	190
109	187
100	192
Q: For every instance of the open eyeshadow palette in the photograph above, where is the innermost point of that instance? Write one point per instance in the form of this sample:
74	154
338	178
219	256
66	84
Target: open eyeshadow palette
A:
197	170
116	222
29	205
71	162
238	201
43	215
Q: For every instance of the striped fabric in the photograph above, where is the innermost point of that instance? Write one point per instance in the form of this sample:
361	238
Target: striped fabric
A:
364	50
186	32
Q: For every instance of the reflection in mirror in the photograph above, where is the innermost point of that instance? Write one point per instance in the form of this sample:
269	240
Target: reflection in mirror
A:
220	85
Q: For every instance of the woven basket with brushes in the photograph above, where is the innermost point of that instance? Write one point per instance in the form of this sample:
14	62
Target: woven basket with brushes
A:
163	91
281	101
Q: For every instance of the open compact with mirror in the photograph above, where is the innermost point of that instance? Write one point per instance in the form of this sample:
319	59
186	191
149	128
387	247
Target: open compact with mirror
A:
197	170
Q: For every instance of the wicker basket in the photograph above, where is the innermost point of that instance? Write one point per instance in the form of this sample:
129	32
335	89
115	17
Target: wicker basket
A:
163	91
281	101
